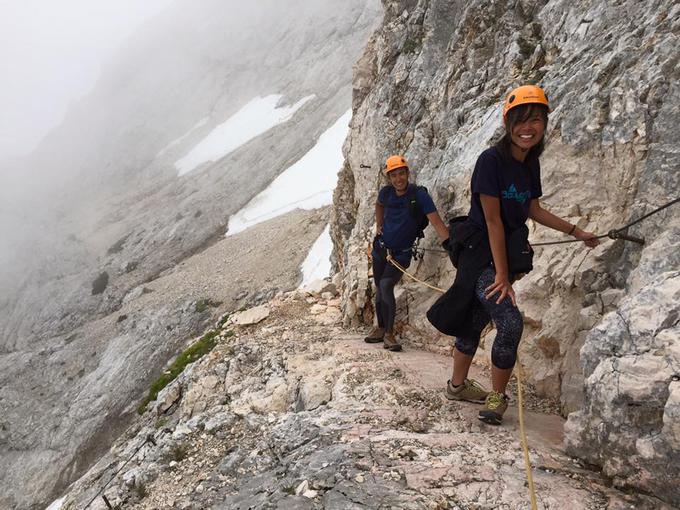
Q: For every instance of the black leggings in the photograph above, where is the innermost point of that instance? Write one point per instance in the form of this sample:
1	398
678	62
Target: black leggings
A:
386	276
506	317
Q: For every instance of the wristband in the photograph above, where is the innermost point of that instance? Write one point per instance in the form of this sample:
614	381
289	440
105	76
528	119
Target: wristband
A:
573	228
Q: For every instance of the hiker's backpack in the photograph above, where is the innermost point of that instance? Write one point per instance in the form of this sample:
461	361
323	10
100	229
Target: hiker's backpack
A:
415	210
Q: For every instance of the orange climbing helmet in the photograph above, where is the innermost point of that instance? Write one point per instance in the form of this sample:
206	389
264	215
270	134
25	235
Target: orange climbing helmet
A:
526	94
394	163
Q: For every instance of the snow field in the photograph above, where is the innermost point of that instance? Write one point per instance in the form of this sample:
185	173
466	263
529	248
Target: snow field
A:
57	504
255	118
317	265
307	184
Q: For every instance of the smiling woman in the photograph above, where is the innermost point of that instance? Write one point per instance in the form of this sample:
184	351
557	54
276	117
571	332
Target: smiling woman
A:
54	51
506	188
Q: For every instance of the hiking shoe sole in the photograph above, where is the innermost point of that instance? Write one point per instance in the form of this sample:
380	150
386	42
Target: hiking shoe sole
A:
372	340
458	399
490	417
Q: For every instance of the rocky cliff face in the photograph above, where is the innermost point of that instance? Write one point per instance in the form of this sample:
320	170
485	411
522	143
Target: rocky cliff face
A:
110	261
601	326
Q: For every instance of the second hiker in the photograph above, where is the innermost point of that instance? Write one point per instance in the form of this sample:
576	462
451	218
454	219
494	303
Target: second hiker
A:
402	211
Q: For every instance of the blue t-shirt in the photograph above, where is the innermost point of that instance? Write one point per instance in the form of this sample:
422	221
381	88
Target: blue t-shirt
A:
515	183
400	229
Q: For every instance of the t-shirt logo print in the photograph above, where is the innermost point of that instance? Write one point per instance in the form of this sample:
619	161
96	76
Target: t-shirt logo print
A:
512	194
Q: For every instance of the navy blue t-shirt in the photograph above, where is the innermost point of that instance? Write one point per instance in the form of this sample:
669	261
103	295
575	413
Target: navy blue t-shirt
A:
399	227
514	182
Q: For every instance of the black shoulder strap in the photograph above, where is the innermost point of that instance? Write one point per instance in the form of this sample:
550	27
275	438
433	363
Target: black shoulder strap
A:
390	192
413	198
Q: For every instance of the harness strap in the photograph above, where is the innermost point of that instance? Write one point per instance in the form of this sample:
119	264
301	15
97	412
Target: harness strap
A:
391	251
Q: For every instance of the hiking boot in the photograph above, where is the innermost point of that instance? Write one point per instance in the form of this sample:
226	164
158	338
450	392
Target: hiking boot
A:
470	390
494	407
391	343
375	336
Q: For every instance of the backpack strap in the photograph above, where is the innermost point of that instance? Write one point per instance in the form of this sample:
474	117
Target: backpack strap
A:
410	195
414	207
390	189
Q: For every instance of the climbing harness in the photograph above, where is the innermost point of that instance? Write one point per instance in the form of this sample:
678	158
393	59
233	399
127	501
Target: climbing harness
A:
612	234
149	439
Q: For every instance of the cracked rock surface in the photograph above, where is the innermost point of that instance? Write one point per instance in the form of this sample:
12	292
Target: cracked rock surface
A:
94	220
384	436
430	85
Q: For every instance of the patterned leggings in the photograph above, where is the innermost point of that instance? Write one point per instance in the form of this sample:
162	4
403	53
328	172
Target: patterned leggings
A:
506	317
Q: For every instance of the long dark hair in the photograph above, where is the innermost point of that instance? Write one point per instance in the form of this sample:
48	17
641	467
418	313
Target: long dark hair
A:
520	114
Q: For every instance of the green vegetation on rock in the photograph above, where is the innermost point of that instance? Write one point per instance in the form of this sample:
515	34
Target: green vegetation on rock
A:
196	351
203	304
410	46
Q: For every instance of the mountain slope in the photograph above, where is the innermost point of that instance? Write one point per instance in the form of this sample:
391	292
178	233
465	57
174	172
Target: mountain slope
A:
298	412
98	214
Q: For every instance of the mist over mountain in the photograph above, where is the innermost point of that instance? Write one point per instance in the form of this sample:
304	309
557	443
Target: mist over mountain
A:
104	206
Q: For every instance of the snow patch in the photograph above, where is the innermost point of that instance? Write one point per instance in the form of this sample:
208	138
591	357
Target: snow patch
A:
57	504
317	265
255	118
307	184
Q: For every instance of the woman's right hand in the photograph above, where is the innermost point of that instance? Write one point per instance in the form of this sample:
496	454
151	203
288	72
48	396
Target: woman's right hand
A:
503	286
588	238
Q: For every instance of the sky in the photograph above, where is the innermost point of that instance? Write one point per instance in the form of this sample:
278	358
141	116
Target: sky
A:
51	53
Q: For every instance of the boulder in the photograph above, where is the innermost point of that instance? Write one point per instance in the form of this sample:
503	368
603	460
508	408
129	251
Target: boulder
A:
319	287
250	316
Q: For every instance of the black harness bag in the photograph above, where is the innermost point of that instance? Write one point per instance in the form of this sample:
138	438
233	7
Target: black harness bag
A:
470	253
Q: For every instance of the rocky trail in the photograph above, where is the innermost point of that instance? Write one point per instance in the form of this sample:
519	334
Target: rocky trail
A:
295	412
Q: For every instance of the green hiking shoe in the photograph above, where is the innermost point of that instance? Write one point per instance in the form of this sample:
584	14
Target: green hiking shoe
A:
494	407
470	390
375	336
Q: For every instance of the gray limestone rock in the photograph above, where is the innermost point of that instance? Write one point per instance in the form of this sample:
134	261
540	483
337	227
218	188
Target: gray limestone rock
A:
430	86
631	363
250	316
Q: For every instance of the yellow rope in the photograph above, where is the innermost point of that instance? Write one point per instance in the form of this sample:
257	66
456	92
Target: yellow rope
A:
523	436
396	264
520	399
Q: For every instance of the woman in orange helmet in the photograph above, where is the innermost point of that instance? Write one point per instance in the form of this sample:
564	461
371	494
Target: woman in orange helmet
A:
506	188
